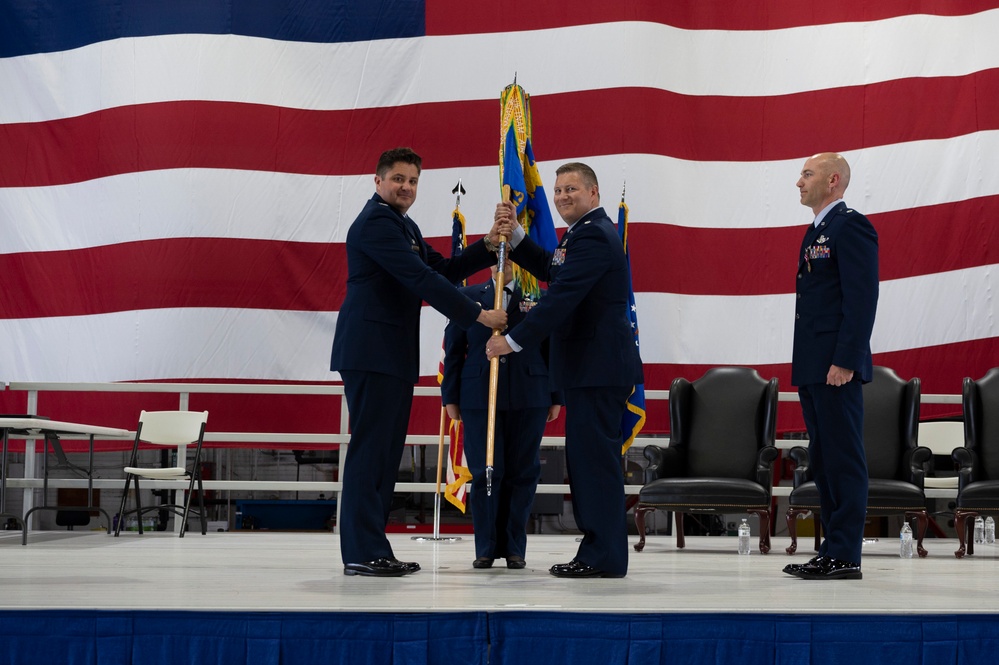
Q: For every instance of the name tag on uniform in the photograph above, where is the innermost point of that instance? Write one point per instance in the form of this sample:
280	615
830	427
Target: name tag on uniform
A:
558	257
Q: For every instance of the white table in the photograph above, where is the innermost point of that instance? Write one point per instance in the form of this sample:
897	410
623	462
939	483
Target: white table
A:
51	430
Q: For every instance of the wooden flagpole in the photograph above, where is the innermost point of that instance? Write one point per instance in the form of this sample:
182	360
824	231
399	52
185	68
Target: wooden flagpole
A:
495	361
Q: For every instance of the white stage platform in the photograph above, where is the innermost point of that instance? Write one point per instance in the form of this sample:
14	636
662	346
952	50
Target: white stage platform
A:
296	572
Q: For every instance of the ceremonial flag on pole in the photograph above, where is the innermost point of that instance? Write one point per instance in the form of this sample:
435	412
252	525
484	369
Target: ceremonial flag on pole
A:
634	415
519	171
458	244
458	474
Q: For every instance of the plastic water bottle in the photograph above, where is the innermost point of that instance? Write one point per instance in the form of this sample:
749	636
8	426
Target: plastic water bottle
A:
905	541
979	530
744	537
990	530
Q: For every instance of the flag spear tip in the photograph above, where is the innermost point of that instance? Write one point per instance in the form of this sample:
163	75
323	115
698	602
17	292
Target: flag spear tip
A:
623	187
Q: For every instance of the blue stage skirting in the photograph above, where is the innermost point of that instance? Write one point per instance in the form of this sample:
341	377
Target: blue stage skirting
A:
501	638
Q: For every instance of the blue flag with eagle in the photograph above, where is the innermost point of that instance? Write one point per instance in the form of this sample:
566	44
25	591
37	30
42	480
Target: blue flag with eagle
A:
634	416
520	174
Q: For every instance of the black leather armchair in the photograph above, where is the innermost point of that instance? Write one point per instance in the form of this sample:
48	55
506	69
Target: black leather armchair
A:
721	453
895	462
977	463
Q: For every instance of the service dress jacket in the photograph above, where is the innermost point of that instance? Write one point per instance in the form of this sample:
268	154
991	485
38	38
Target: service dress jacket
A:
585	313
391	270
836	297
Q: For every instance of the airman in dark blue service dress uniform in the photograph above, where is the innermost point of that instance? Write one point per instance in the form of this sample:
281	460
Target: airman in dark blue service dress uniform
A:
593	359
524	404
391	270
835	306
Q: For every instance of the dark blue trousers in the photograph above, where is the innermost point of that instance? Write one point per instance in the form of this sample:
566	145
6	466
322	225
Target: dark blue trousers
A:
379	407
500	520
593	457
834	417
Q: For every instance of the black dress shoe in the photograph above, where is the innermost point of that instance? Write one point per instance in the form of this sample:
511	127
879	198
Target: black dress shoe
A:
515	562
828	568
483	562
792	568
410	566
578	569
377	568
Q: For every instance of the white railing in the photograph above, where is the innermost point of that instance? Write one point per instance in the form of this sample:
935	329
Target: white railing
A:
31	480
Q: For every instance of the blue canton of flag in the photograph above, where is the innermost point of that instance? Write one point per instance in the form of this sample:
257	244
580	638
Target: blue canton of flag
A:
634	416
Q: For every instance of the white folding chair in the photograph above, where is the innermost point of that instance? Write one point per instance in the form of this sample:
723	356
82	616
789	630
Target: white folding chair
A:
175	429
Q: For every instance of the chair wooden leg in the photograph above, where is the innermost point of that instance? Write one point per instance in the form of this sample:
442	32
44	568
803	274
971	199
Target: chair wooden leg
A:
961	524
680	542
817	528
641	511
764	516
792	531
792	527
922	520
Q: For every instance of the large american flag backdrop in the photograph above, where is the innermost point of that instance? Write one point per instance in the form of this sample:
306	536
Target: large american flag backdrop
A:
177	178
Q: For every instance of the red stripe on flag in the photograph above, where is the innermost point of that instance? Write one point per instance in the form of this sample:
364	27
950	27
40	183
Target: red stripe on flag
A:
204	134
175	272
229	135
758	261
455	17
